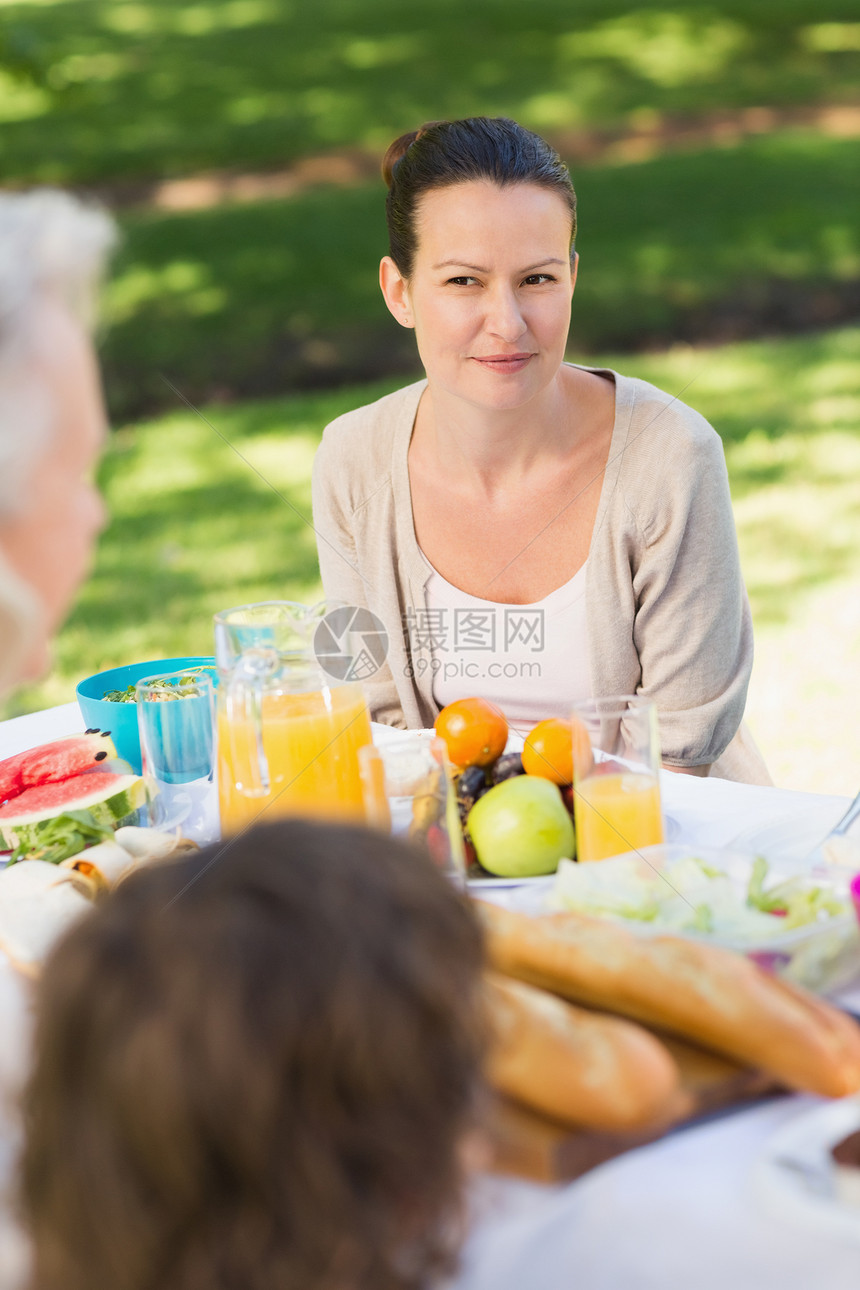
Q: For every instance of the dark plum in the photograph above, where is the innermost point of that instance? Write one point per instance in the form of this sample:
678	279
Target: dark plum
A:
507	766
471	785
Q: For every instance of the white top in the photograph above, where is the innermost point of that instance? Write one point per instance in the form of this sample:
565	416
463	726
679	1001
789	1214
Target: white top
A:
530	660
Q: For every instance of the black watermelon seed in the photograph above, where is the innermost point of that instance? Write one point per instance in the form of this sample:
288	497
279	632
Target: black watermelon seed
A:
93	730
100	756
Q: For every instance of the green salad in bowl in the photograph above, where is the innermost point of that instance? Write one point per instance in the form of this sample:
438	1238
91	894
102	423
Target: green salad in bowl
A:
801	926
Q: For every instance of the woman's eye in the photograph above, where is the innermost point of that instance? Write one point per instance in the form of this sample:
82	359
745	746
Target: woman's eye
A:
463	282
536	279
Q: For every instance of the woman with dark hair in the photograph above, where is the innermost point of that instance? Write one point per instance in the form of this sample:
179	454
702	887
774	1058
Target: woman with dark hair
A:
257	1067
529	530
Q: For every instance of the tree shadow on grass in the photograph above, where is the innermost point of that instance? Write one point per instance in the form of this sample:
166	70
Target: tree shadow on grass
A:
251	300
158	88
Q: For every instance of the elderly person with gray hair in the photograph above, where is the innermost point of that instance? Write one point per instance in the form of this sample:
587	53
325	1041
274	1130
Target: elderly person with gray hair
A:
52	420
52	427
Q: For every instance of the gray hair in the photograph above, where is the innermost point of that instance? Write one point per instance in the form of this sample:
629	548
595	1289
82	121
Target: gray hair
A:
52	247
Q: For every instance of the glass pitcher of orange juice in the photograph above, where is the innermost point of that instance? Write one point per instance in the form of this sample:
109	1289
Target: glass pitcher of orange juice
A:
288	733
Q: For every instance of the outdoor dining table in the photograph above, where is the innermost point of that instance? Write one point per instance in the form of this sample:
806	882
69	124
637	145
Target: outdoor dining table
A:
689	1212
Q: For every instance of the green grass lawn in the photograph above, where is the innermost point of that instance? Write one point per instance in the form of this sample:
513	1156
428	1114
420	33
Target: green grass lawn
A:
261	298
131	88
746	237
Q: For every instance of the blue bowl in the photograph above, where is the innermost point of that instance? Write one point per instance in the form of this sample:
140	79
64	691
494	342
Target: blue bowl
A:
121	718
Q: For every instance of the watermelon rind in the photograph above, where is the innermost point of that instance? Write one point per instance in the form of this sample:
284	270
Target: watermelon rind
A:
107	804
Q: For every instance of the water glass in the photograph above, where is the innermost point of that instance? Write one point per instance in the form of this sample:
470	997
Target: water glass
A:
176	719
408	791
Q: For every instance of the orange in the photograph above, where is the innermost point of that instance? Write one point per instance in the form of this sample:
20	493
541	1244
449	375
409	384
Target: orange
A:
554	746
475	732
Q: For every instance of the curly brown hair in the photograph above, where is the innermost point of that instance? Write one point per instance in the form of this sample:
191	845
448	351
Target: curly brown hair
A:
257	1072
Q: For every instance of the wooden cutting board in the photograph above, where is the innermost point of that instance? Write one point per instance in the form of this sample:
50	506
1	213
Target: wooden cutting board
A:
532	1146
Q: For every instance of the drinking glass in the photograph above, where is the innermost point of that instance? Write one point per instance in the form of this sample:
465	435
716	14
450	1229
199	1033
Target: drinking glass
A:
616	777
176	720
408	791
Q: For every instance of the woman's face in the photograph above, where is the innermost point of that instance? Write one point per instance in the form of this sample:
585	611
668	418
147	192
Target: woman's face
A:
490	291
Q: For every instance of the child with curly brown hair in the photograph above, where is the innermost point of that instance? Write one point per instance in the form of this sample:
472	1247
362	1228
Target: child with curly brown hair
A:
256	1067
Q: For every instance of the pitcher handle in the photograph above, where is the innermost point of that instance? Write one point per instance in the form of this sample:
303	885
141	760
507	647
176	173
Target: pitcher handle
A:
246	687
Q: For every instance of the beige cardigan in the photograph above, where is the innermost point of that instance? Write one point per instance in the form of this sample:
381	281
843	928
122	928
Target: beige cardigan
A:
668	615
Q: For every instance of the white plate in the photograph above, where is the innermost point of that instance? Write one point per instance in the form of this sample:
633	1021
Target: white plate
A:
504	884
672	829
526	897
794	1176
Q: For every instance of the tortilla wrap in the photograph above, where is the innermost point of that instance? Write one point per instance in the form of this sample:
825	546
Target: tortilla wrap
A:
29	925
104	864
32	877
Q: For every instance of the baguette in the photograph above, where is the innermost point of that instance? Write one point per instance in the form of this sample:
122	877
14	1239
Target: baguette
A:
701	992
578	1067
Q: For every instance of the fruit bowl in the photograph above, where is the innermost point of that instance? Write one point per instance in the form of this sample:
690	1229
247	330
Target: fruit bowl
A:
121	718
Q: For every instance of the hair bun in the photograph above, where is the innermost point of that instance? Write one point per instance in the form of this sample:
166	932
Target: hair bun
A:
395	152
399	148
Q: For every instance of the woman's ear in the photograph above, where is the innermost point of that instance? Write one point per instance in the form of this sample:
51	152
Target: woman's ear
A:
574	265
395	291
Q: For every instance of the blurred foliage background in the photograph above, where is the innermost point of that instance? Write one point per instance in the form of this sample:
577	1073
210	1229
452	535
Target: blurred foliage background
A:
714	151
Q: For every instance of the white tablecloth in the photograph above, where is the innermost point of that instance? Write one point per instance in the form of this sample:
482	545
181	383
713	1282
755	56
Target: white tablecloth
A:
681	1214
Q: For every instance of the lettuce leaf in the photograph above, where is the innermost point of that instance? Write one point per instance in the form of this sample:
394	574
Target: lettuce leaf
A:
63	836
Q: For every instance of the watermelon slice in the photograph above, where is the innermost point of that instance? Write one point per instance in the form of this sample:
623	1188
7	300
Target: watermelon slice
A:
53	762
107	798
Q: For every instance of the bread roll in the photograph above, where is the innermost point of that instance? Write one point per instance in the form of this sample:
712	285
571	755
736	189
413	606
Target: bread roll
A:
579	1067
701	992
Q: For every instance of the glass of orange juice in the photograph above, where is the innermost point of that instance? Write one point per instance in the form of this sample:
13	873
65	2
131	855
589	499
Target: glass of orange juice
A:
616	787
288	733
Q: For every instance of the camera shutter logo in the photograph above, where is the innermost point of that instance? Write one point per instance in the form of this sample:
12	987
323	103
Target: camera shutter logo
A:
350	643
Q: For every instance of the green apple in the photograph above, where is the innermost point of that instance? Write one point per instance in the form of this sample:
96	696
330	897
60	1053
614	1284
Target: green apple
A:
521	828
